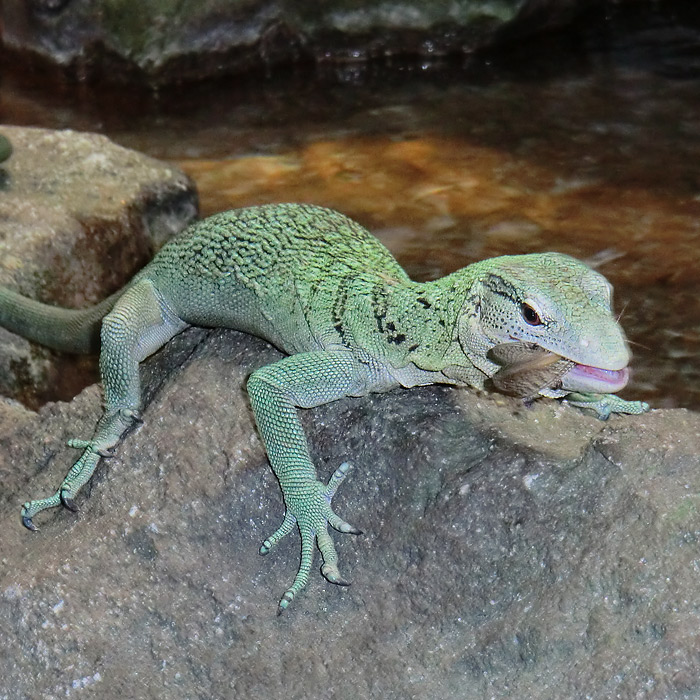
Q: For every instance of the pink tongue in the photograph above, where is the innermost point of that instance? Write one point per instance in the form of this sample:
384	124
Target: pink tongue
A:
616	379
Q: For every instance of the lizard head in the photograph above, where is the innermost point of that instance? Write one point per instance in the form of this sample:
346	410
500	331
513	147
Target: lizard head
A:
555	302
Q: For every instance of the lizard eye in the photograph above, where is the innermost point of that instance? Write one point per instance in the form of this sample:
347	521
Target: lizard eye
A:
530	315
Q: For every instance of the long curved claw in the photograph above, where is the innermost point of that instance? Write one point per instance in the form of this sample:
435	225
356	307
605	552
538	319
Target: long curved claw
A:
331	574
28	523
68	502
342	526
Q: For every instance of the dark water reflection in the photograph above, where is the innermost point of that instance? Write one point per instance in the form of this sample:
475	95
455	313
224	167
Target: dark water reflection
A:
596	155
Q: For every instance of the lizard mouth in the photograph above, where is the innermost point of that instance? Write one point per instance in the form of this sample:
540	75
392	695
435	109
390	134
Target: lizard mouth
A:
595	379
527	369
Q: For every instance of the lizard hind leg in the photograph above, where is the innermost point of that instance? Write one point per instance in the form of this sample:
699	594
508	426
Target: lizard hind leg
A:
138	325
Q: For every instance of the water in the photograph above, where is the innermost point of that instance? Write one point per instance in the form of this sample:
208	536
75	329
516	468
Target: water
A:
588	145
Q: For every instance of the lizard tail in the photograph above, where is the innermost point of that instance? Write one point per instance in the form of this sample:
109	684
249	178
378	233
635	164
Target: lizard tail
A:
67	330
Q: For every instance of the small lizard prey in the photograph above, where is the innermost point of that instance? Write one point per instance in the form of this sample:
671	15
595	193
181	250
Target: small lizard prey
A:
329	295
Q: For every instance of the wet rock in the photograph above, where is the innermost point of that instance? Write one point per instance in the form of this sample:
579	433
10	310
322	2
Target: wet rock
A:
78	216
508	552
166	42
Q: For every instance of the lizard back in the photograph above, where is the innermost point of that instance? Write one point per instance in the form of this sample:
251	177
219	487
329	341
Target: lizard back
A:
267	269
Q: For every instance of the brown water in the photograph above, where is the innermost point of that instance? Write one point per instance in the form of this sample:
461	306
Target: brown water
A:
598	158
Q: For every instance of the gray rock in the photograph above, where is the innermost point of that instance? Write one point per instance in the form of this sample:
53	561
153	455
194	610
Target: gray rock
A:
78	216
509	552
167	41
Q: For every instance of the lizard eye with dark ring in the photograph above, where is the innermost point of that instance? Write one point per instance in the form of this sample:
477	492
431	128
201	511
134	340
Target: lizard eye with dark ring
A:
530	315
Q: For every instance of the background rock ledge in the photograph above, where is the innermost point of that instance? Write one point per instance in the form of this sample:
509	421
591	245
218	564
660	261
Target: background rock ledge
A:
79	215
167	42
508	552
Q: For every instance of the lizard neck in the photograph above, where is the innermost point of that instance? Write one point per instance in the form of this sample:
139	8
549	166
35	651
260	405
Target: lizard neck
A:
417	322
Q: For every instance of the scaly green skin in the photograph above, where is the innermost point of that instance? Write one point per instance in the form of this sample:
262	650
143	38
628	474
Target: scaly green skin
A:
326	292
5	148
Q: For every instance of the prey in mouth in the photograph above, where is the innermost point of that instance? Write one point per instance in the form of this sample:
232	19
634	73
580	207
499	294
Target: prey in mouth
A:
528	370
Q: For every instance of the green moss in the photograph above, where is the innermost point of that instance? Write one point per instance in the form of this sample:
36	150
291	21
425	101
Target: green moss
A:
685	511
141	28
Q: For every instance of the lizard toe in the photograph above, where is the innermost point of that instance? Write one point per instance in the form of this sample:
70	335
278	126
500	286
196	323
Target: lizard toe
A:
282	531
31	508
68	502
330	558
302	577
337	523
27	521
329	491
331	573
606	405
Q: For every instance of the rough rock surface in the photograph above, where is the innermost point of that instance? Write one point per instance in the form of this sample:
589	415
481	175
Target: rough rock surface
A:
78	216
509	552
167	41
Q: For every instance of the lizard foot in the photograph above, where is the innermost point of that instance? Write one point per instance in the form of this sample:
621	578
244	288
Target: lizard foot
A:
110	428
31	508
606	404
313	515
77	444
79	474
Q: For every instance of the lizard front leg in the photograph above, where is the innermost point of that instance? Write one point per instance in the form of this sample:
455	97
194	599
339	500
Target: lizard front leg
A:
306	380
137	326
606	404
